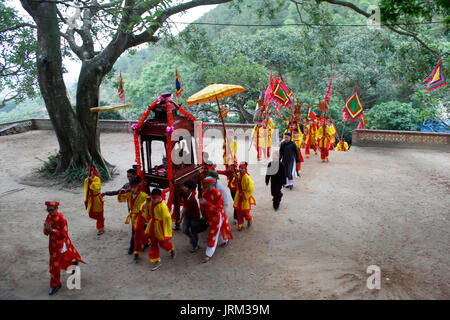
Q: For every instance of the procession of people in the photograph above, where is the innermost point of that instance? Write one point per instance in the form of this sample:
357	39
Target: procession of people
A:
204	201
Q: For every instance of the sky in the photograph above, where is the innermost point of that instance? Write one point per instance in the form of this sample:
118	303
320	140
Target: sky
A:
74	66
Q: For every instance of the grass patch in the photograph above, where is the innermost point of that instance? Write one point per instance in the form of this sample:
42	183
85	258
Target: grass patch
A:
71	176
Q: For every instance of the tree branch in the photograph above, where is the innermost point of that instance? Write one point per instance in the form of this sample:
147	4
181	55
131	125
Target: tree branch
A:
148	35
18	26
367	15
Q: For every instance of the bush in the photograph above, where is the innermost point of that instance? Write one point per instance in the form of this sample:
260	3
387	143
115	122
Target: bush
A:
393	115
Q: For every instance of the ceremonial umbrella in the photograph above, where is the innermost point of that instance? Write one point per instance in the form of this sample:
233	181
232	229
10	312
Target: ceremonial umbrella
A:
97	110
215	92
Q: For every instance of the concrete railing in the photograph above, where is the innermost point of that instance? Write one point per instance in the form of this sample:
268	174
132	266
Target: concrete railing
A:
401	139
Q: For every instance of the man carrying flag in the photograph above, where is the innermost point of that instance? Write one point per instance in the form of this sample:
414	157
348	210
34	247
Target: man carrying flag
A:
310	137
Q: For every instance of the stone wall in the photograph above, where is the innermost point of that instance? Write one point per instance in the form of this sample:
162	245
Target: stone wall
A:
104	125
401	139
16	127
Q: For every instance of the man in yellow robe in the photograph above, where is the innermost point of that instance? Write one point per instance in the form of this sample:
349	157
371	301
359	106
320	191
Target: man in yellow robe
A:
159	228
324	134
310	138
342	146
297	138
243	199
262	138
93	200
229	153
136	215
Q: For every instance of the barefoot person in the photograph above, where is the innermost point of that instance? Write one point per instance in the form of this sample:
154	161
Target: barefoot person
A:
211	205
243	200
136	200
159	227
62	252
93	200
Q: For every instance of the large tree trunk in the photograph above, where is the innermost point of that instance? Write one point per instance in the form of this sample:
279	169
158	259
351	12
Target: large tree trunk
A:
72	132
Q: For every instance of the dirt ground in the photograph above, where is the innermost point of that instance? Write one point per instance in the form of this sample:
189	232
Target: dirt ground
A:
370	206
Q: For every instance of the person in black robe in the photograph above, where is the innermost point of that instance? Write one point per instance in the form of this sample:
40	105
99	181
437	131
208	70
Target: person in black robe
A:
277	179
289	156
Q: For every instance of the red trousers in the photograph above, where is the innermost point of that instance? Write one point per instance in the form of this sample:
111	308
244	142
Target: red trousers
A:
307	152
324	153
139	238
55	275
299	165
260	153
100	219
243	214
59	261
155	243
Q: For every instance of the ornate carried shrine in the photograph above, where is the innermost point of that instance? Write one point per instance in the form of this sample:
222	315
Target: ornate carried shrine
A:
158	168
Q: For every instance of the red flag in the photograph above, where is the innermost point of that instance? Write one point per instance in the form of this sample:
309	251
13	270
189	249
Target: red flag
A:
328	94
120	89
363	121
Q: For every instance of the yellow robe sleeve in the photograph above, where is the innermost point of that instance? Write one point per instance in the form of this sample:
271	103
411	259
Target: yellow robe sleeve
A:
95	185
93	189
167	221
123	197
247	186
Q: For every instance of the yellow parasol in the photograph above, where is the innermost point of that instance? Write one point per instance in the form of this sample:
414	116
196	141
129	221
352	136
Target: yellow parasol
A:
213	92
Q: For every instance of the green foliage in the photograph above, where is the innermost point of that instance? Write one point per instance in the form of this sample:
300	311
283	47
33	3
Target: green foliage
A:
385	66
393	11
29	109
114	115
18	78
393	115
72	176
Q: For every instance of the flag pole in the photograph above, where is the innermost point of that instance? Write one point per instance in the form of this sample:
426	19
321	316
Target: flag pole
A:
343	129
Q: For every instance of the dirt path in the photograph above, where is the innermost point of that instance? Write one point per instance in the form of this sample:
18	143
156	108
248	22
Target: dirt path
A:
370	206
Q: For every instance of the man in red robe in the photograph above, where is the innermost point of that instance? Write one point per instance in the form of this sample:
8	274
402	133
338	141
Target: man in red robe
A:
211	204
229	172
62	252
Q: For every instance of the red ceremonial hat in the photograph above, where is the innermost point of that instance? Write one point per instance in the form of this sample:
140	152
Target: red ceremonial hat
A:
243	164
209	179
52	203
